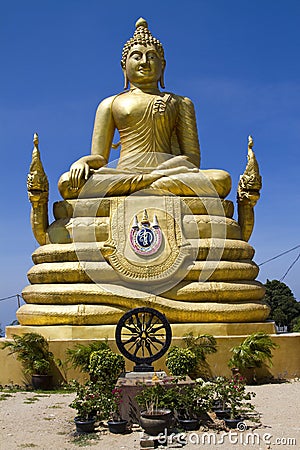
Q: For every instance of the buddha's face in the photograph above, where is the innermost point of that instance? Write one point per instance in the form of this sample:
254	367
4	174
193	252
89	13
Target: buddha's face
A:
144	65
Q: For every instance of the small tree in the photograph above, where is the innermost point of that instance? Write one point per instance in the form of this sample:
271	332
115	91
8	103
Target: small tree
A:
284	306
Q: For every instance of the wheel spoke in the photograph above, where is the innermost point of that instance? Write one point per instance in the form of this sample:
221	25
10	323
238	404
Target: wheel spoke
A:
138	322
149	322
154	346
148	347
143	322
155	329
131	347
157	334
132	329
154	339
137	347
153	324
132	339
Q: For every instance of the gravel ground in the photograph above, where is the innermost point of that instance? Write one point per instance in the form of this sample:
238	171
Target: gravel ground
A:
45	421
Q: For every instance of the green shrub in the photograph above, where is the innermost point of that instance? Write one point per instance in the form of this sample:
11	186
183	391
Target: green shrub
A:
254	351
181	361
106	366
79	356
192	359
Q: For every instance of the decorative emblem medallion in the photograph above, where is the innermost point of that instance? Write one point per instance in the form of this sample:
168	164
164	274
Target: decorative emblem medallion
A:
145	237
142	252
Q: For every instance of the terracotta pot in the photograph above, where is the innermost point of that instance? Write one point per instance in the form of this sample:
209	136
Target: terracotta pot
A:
157	422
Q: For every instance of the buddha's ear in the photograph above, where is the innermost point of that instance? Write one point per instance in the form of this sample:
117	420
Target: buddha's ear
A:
161	80
125	80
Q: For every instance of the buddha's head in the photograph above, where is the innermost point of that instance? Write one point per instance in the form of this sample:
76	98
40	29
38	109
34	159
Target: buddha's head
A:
143	57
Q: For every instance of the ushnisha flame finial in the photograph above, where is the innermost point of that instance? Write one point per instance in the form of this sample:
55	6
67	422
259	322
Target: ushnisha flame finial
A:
135	222
141	22
155	221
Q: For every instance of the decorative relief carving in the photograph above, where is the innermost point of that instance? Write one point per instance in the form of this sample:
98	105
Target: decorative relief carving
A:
168	256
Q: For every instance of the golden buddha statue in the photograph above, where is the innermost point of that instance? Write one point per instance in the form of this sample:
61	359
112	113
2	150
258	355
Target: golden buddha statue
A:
158	134
153	231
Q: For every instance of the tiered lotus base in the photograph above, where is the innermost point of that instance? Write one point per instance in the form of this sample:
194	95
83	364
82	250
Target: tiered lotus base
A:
69	288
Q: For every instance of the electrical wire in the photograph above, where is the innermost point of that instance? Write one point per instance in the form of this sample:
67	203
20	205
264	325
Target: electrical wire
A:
12	296
278	256
293	263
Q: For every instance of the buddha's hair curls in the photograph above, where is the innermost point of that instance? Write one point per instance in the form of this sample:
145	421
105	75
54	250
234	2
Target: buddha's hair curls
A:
141	36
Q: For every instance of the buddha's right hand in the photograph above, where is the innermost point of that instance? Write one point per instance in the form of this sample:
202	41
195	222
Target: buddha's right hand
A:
78	170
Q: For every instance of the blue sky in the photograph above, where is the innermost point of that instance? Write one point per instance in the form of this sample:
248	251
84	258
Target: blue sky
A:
238	60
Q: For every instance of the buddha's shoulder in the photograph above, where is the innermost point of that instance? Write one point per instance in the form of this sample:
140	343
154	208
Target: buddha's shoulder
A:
106	103
181	99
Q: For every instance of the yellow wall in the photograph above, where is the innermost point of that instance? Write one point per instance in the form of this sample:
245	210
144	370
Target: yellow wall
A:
286	360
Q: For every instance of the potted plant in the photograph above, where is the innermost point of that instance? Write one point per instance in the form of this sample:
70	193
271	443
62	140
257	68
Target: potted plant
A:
192	401
86	404
156	416
94	399
252	353
116	424
238	401
92	403
220	397
32	350
191	360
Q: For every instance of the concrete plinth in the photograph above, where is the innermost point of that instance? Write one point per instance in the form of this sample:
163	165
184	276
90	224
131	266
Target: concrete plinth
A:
286	360
88	332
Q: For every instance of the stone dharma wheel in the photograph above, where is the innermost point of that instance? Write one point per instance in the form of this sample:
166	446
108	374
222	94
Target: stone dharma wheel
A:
143	335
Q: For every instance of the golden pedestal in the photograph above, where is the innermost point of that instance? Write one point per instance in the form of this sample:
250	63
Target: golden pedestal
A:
90	273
